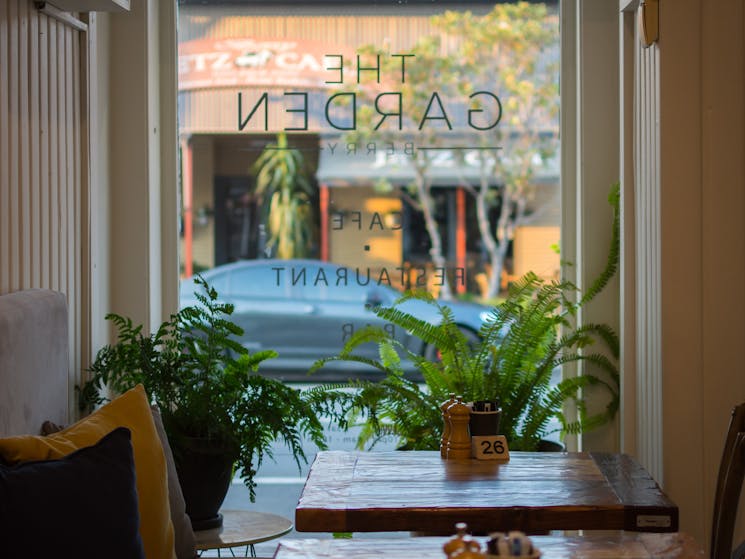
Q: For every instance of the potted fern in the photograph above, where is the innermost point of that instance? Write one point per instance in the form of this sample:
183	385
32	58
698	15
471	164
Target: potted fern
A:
528	336
218	413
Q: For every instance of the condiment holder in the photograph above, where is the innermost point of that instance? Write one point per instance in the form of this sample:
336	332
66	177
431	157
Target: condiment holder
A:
512	544
470	430
485	417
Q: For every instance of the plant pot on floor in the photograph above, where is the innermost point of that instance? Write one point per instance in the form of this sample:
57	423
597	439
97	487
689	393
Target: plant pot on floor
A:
205	470
550	446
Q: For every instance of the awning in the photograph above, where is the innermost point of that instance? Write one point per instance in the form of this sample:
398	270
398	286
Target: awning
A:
343	164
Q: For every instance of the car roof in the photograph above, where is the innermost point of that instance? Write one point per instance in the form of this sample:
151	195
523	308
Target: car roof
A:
266	262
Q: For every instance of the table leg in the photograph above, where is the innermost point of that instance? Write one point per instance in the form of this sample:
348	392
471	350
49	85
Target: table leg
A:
249	552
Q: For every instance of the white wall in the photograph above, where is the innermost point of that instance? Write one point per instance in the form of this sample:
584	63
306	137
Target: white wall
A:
702	125
100	291
590	166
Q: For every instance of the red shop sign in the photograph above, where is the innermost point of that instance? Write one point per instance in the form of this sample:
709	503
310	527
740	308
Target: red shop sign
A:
253	62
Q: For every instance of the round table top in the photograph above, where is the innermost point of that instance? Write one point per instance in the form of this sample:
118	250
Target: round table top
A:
243	527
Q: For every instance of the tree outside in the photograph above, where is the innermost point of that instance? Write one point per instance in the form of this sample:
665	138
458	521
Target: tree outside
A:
511	51
413	94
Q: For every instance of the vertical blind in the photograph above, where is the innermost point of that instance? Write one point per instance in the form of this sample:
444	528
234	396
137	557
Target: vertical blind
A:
648	262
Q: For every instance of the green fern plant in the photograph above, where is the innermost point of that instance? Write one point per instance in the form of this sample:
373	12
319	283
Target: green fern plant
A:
205	384
528	336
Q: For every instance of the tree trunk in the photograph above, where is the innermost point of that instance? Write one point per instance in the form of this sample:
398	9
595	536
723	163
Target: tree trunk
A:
490	245
505	230
495	249
423	191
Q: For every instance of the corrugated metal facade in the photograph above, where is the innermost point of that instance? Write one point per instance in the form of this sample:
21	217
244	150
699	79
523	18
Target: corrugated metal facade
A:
42	215
215	110
215	43
205	22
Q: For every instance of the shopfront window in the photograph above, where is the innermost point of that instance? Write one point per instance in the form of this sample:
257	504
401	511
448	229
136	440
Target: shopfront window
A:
337	154
415	145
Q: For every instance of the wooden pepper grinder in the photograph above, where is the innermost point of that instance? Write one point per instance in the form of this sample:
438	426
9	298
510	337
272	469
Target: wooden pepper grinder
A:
471	551
462	546
459	444
446	425
458	542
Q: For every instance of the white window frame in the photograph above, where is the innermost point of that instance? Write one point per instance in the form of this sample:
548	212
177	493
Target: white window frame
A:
590	144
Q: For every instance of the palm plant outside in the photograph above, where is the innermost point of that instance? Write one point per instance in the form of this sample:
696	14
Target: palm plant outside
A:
282	181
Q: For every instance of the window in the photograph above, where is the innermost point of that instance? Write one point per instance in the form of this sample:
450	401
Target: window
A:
420	154
366	205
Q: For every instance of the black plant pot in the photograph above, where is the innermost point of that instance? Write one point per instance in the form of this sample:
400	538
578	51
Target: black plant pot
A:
205	469
550	446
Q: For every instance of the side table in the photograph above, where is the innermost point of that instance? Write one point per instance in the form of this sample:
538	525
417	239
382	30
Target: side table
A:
242	528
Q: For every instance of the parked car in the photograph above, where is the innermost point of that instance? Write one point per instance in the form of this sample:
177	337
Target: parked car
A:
306	309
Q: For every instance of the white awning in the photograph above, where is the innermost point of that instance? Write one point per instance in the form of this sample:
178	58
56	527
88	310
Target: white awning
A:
342	164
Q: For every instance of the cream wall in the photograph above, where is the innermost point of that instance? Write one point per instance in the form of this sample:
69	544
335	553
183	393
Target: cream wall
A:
100	206
684	167
702	229
701	217
589	167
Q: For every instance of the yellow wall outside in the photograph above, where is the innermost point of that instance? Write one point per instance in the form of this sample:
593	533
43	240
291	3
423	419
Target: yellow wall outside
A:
347	238
203	248
532	251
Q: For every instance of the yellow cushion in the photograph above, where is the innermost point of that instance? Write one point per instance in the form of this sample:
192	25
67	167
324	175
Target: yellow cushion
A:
130	410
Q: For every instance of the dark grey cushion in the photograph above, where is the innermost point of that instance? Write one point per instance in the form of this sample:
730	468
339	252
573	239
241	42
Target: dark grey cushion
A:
83	505
183	533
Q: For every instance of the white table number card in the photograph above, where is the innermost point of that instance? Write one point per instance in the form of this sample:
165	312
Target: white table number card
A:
493	447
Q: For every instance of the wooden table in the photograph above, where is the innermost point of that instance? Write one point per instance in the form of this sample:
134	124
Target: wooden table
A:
533	492
617	545
242	528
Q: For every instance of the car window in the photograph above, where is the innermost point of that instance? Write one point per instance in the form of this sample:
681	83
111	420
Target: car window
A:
349	291
219	282
329	283
259	281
